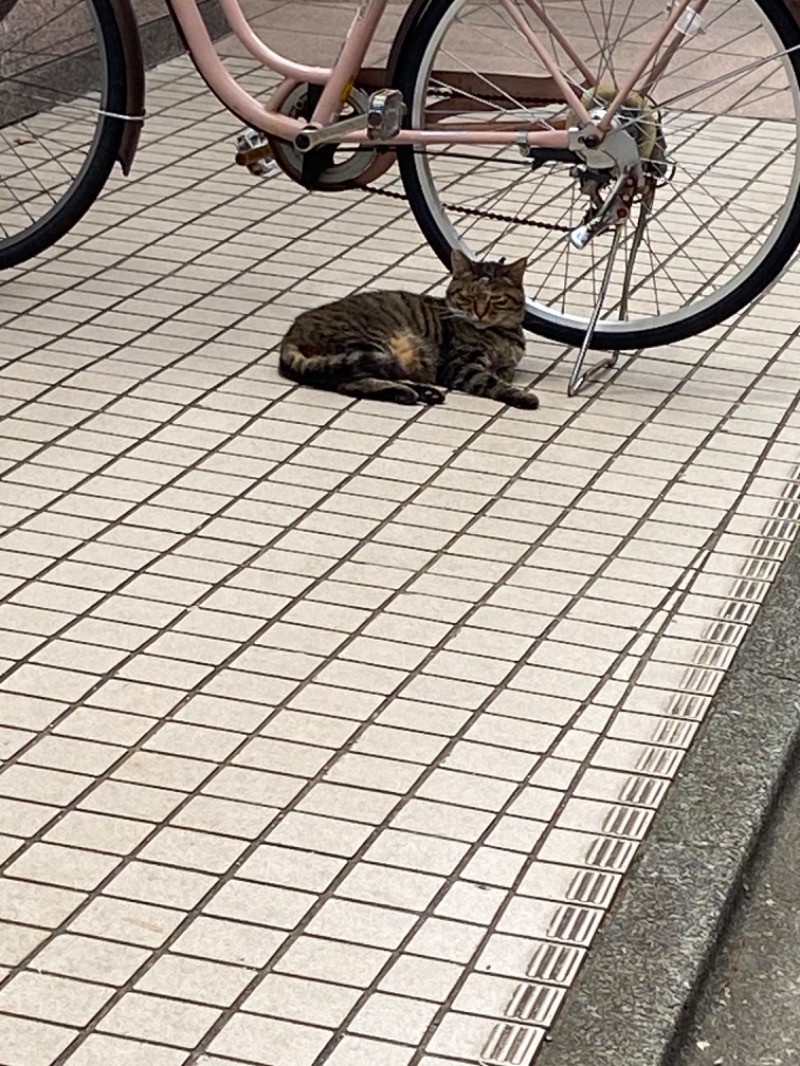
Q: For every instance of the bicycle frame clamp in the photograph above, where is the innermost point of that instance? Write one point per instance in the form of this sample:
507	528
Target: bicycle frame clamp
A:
125	118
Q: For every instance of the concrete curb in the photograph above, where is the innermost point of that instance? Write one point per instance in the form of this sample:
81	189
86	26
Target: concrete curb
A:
635	996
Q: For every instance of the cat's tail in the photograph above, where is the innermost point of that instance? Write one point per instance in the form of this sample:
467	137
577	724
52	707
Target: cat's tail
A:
328	371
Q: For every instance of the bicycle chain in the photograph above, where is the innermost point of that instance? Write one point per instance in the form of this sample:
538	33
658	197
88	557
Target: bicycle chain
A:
475	212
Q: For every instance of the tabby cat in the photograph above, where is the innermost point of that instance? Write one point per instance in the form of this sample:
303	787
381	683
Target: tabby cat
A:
398	346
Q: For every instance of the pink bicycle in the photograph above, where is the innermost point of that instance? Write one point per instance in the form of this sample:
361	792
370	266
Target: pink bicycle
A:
643	157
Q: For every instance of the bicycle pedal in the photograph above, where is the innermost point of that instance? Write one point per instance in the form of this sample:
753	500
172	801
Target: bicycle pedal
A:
254	151
385	114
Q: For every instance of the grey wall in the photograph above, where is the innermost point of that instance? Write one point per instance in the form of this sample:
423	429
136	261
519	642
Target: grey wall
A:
37	32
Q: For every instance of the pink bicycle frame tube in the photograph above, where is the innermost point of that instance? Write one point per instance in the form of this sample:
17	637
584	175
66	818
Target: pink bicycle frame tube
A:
250	110
218	79
527	32
256	47
544	18
351	58
635	77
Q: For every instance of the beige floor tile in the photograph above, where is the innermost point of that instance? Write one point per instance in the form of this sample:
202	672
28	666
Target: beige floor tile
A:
265	1039
88	959
138	1015
195	979
301	1000
33	1041
53	999
320	715
98	1049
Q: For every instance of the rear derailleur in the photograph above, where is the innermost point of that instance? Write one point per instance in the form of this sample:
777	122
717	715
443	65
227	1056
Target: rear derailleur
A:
614	168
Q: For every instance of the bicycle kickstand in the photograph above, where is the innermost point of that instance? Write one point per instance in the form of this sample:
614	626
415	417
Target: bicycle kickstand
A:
579	376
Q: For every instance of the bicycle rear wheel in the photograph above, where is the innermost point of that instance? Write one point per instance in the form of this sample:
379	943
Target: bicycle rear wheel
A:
725	108
62	79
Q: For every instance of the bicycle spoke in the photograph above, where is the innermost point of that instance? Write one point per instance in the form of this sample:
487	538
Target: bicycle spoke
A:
52	127
725	103
517	106
525	55
33	172
575	83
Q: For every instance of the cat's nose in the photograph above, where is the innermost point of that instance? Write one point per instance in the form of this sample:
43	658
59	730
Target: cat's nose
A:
481	308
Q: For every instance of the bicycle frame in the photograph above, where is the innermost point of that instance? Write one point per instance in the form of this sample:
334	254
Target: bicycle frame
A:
337	80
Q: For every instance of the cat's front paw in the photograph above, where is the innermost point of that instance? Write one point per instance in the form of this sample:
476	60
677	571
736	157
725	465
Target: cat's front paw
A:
529	401
428	394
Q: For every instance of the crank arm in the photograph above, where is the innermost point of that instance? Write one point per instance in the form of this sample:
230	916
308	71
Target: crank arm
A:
381	122
311	137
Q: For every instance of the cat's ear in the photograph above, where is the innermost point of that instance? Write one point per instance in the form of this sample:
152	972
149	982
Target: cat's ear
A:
460	264
516	270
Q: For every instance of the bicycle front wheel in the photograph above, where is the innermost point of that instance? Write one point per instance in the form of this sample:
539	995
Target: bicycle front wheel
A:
718	109
62	81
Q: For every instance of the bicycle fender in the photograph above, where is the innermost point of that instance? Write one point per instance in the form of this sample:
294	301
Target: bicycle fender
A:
415	10
134	70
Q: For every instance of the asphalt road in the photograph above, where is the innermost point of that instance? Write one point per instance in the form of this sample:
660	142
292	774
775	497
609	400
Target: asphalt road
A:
749	1014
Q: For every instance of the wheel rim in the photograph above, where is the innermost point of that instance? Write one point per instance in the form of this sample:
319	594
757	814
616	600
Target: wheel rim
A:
732	134
52	91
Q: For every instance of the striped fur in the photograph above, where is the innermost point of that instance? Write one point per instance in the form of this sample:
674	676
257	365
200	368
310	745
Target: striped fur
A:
398	346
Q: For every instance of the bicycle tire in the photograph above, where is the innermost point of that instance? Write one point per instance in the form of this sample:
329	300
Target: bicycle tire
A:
100	157
411	57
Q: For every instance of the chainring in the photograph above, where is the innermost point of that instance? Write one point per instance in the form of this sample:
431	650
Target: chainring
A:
343	168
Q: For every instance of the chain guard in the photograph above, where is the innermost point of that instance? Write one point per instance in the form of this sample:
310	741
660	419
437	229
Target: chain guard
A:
322	169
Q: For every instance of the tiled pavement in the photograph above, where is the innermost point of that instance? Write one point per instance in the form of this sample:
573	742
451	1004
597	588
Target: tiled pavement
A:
331	728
